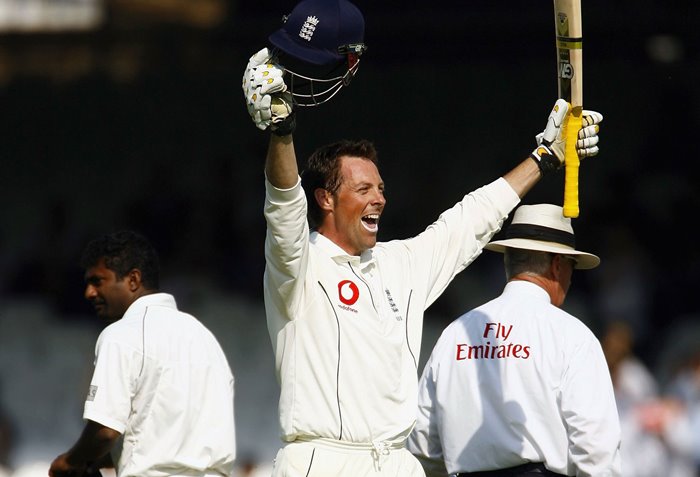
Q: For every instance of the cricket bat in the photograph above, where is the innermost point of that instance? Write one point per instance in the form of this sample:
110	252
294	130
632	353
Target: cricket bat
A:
569	35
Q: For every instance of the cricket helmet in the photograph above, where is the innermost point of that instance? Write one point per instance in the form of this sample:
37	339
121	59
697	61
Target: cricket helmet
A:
320	44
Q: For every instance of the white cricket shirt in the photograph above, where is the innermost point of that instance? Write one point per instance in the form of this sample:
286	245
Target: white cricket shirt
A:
346	330
518	380
162	380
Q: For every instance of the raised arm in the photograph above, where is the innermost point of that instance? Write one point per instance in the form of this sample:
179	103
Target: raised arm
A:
523	176
271	107
281	162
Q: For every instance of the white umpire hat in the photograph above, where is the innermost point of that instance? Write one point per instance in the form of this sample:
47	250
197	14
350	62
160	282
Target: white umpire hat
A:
543	227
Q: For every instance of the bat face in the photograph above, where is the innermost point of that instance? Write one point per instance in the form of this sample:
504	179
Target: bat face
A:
567	19
566	70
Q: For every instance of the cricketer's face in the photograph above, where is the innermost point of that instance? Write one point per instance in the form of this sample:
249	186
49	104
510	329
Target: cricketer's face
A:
357	205
109	296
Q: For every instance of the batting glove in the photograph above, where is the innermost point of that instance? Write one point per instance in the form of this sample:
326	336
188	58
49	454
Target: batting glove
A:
550	143
587	144
549	153
262	79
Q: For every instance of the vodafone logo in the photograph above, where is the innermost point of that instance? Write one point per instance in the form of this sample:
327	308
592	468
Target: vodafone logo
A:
348	292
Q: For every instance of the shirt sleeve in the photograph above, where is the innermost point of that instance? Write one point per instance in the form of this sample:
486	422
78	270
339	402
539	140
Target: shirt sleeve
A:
459	235
286	245
590	414
424	441
109	397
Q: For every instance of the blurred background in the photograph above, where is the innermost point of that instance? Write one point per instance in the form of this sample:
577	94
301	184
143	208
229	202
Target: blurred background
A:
129	114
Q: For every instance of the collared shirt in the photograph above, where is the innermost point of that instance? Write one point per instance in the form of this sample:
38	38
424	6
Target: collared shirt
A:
346	330
518	380
162	380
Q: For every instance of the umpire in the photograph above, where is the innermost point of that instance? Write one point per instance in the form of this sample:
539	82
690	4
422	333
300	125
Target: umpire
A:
518	386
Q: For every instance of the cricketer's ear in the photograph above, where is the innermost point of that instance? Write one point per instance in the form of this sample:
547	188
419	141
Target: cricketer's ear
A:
133	279
324	199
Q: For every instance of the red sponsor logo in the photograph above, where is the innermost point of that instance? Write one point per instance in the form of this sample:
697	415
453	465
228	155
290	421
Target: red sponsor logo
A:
348	292
492	351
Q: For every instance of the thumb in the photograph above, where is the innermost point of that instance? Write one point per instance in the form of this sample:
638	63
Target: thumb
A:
555	121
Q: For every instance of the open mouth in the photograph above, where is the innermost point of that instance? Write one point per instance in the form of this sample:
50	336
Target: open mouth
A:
371	222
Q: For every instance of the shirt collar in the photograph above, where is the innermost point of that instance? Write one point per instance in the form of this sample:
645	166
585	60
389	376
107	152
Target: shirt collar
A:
154	299
339	255
522	288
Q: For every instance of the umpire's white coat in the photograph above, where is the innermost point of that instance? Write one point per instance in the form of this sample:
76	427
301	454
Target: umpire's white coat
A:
346	330
518	380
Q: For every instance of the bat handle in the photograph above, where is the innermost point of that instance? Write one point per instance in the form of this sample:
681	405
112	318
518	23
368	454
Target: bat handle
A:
571	161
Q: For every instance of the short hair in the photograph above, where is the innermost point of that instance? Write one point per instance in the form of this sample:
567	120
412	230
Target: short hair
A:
122	252
323	170
518	261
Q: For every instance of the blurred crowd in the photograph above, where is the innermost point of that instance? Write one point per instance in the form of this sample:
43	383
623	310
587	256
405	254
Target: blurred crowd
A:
660	421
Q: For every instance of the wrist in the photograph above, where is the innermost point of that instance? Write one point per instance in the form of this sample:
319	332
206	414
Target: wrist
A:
546	160
285	127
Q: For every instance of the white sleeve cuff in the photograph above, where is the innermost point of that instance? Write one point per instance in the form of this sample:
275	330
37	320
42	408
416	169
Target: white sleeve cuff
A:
106	421
276	196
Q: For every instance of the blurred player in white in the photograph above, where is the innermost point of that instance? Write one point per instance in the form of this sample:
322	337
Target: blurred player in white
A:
161	380
345	312
518	386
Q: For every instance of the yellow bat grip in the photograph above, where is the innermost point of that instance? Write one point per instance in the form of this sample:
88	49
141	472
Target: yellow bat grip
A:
572	126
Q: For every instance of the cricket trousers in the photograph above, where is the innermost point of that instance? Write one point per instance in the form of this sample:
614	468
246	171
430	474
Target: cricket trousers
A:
526	470
322	457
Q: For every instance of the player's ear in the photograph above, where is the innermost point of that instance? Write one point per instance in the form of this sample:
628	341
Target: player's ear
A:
133	279
324	199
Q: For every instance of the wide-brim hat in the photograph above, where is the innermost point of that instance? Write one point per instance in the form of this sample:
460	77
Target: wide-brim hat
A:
543	227
315	30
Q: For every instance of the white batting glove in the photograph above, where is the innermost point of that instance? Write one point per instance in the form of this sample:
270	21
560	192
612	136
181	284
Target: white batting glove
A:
587	144
549	153
262	79
550	138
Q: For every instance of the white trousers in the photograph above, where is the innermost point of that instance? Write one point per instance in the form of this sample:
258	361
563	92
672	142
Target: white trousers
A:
322	457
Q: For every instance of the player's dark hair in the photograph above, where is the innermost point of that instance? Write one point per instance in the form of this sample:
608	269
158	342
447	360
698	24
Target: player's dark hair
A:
124	251
323	170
